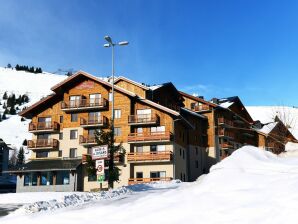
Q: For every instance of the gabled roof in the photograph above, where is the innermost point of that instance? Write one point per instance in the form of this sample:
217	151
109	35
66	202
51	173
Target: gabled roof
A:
197	99
131	81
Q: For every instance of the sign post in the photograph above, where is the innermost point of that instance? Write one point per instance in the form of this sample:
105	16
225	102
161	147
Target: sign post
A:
100	171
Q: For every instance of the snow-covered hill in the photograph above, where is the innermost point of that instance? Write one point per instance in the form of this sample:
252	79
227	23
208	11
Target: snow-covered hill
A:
250	186
36	86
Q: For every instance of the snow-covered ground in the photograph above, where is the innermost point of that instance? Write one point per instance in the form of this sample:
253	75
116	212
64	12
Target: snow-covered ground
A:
36	86
250	186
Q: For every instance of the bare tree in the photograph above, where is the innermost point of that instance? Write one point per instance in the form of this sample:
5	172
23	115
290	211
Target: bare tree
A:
286	115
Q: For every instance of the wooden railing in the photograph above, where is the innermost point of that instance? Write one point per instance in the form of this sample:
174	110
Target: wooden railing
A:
149	156
46	126
225	121
102	120
225	133
201	107
83	103
88	139
143	118
43	143
151	136
147	180
226	145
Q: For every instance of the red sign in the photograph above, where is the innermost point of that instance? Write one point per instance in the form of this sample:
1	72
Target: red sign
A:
85	85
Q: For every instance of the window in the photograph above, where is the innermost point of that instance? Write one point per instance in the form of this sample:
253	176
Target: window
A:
117	131
94	117
117	113
197	163
74	117
95	99
61	136
192	106
30	179
62	178
89	151
60	153
158	174
73	134
41	154
144	115
139	148
73	153
61	119
153	148
161	148
110	97
74	101
46	178
91	177
139	174
158	129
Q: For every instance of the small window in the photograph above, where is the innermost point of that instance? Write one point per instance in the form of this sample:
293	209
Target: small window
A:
60	153
41	154
61	136
153	148
117	131
110	97
73	153
139	148
197	163
61	119
139	174
74	118
73	134
117	113
89	151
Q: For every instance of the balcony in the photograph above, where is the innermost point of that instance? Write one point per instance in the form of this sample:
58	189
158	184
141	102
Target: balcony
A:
225	122
43	127
225	133
149	137
88	140
94	122
203	107
43	144
84	105
149	156
226	145
143	119
132	181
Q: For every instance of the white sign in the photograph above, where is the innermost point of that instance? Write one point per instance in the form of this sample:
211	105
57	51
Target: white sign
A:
100	167
100	152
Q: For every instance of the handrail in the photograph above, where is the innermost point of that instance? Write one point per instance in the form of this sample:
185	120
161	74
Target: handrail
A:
142	156
73	104
147	180
101	120
151	136
36	126
143	118
43	143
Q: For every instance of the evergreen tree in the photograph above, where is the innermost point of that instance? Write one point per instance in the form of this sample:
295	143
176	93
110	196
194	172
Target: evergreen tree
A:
25	99
31	69
23	119
11	101
4	105
0	118
8	65
17	67
21	157
5	96
25	142
106	137
12	111
19	100
4	116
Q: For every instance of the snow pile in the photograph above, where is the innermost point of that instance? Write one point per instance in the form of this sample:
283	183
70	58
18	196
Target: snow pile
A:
75	200
250	186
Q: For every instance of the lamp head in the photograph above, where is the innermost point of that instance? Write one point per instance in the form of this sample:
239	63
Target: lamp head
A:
122	43
107	38
106	45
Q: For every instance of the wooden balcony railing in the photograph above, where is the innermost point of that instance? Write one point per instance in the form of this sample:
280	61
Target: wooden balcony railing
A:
94	121
225	121
201	107
226	145
149	156
86	140
43	144
43	126
147	180
150	137
84	104
143	119
225	133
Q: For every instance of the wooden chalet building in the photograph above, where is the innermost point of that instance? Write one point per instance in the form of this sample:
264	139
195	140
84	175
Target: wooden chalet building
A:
162	140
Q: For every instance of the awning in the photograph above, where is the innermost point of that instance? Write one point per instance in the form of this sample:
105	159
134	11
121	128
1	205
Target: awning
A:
47	165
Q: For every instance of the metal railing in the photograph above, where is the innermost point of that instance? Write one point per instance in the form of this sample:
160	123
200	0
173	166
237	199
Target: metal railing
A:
101	120
83	103
43	126
147	180
43	143
149	156
151	136
143	118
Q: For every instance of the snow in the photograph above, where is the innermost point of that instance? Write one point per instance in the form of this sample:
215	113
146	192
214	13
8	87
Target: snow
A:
226	104
250	186
36	86
266	114
267	128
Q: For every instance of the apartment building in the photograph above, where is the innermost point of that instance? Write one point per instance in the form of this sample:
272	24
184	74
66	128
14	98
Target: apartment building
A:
162	140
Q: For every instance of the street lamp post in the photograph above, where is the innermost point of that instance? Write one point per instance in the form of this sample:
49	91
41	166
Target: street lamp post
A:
112	45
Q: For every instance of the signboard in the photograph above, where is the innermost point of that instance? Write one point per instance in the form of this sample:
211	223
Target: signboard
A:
85	85
100	166
101	178
100	152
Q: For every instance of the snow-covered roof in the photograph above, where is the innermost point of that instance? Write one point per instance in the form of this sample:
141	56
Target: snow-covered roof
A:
226	104
267	128
155	87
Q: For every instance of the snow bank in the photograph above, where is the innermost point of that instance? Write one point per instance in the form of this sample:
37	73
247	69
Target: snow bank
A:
250	186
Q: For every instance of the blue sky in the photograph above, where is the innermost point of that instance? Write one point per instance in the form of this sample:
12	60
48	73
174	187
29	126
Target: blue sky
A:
212	48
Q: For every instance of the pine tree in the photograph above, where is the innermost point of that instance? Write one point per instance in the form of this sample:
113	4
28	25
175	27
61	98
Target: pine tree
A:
31	69
4	105
4	116
106	137
5	96
0	118
12	110
17	67
21	157
8	65
19	100
25	142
